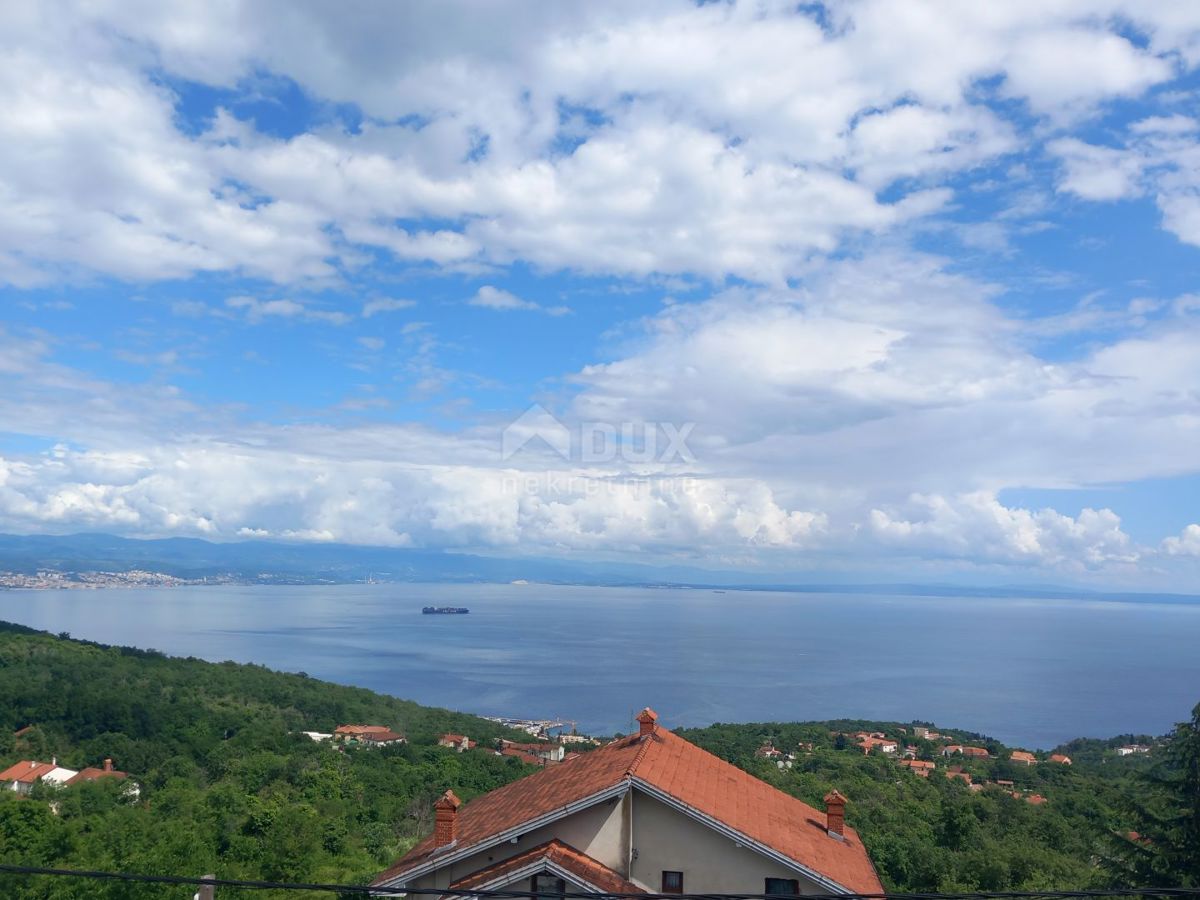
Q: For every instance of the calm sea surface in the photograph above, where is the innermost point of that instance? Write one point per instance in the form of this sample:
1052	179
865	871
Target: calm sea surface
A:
1029	672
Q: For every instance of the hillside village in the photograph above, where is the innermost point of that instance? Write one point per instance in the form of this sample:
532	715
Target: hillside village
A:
923	752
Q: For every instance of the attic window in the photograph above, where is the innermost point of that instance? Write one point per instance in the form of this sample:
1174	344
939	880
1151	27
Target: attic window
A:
548	887
782	887
672	882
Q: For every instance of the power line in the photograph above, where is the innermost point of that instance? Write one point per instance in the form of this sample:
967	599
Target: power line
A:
369	891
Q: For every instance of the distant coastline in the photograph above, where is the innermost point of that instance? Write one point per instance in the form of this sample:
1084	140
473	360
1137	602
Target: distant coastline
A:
97	561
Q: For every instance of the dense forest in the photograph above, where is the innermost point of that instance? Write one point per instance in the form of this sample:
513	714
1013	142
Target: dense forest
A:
231	785
937	833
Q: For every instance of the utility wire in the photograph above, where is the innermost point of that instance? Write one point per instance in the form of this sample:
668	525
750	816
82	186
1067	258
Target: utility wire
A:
369	891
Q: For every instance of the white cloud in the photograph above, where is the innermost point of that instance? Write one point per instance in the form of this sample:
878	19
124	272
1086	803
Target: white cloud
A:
495	298
258	310
602	140
979	528
1187	543
1097	173
385	305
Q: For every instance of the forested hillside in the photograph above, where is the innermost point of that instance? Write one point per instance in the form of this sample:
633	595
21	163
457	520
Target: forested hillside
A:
995	825
230	785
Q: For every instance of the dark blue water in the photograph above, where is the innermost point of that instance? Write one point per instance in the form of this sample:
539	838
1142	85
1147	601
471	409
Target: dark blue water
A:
1030	672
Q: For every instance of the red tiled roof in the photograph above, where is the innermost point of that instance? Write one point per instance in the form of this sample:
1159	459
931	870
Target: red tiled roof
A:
361	729
27	771
91	774
1023	756
582	866
457	738
665	762
1060	758
381	736
524	756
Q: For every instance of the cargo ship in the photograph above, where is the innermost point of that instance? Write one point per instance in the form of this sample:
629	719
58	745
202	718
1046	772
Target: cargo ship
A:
445	610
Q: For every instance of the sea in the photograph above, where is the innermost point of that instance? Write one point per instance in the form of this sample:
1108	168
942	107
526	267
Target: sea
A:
1030	672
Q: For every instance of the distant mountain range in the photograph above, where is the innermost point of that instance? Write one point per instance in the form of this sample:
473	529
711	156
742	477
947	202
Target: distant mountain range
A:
271	561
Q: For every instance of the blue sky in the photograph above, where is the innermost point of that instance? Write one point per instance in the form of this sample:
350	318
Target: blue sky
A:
916	282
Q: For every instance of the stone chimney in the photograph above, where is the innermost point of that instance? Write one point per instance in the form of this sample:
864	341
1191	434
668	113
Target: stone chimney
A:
108	765
835	815
445	829
647	722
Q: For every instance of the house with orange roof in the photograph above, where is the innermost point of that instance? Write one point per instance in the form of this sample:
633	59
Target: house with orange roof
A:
385	738
91	773
543	752
918	766
1060	758
647	813
1023	758
22	776
457	742
366	735
870	742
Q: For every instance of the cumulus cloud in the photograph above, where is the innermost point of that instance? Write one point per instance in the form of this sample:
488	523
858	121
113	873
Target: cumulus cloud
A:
979	528
1186	543
846	396
597	140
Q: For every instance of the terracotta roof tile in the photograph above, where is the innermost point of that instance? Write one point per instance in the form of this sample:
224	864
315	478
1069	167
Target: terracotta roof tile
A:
27	771
91	774
380	736
592	871
688	774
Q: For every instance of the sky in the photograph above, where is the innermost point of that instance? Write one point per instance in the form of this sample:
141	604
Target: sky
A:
866	290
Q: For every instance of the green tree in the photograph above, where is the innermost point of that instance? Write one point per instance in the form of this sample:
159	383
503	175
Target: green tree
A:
1165	850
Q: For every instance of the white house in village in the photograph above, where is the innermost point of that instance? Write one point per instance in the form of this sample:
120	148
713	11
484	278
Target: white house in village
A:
649	813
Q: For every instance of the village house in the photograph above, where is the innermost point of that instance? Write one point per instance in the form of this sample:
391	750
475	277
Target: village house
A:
1023	758
647	813
21	777
959	749
1060	758
1130	749
918	766
539	754
873	741
385	738
365	735
925	732
542	751
24	775
457	742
